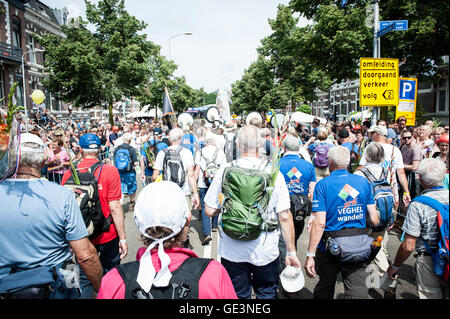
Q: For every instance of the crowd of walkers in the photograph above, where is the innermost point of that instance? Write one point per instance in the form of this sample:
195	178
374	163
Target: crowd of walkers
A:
350	185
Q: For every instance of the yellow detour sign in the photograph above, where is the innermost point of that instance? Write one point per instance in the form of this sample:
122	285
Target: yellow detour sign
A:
378	82
407	101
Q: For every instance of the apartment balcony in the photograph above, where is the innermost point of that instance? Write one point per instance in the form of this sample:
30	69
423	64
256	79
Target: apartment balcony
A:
9	53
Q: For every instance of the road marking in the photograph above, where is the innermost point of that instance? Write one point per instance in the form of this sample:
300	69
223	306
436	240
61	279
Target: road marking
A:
207	250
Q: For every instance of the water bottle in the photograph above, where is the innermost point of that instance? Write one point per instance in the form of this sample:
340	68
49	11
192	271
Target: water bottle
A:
333	246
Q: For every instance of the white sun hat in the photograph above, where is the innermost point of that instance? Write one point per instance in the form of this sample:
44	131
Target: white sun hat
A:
292	279
159	204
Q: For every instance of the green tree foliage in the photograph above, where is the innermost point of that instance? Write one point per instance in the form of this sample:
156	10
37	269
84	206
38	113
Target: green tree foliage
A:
304	108
205	98
339	37
116	59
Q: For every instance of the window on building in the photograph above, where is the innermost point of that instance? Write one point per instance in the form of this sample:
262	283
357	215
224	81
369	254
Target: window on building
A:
442	96
19	94
30	46
16	40
2	87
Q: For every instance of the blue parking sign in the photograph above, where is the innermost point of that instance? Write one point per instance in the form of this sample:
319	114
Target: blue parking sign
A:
407	90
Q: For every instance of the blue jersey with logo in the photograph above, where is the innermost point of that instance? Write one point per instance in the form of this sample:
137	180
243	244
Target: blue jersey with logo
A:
344	197
297	173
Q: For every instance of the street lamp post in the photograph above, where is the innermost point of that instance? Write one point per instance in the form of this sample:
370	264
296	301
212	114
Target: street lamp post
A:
24	82
174	36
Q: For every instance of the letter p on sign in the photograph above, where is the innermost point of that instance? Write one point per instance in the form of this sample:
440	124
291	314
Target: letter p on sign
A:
407	90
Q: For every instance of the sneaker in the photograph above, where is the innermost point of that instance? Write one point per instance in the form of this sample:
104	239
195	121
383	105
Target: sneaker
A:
206	239
390	294
214	229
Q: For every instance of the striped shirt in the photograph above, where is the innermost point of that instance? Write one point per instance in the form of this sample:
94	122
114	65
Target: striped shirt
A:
421	220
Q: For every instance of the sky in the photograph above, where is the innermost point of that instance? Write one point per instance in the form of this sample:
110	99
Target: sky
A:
225	34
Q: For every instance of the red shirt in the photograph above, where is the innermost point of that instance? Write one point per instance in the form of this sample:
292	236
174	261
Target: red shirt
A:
109	189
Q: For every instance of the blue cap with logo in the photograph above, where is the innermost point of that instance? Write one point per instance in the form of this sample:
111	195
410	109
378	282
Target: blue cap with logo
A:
89	141
157	131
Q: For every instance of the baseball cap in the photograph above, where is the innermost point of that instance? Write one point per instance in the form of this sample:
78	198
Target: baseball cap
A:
343	133
115	128
292	279
291	143
89	141
382	130
442	139
31	138
152	210
157	131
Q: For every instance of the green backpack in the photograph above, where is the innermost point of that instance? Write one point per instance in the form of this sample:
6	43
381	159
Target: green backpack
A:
246	198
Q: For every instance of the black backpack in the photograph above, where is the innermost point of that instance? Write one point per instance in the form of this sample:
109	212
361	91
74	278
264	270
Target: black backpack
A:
354	158
173	168
88	200
182	285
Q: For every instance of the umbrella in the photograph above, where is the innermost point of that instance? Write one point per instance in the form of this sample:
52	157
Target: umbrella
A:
301	117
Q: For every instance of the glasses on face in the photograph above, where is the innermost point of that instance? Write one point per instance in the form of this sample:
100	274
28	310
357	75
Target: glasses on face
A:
406	138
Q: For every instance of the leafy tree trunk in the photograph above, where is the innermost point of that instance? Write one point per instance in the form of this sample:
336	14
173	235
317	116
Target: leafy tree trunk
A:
111	117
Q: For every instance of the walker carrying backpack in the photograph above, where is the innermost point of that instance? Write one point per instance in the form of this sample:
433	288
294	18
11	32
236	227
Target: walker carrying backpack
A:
88	200
441	255
321	156
383	196
173	168
152	151
122	160
354	158
211	168
184	283
245	200
230	147
188	143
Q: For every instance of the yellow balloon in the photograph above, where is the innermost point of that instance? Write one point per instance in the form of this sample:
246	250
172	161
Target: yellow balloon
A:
38	96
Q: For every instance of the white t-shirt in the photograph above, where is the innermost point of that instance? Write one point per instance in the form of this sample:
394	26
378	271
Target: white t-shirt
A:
207	154
264	249
186	158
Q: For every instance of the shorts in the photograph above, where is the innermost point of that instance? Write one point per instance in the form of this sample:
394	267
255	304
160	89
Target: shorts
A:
128	182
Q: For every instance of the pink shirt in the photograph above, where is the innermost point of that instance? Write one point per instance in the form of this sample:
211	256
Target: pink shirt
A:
215	282
63	156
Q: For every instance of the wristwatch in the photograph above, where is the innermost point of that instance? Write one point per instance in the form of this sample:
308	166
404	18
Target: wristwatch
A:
308	254
291	253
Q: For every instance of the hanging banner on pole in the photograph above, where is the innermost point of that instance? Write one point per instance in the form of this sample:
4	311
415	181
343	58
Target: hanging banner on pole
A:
378	82
407	100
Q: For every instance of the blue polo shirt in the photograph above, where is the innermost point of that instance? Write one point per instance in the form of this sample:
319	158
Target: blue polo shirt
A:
297	173
344	197
349	146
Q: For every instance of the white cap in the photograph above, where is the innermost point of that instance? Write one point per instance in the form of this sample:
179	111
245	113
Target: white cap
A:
292	279
31	138
159	204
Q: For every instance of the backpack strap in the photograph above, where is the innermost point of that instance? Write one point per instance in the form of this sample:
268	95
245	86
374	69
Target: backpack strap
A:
92	169
192	268
433	203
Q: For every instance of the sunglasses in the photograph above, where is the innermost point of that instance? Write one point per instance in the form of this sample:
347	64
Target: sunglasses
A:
406	137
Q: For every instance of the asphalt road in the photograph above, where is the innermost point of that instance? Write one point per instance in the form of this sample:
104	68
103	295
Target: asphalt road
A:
405	289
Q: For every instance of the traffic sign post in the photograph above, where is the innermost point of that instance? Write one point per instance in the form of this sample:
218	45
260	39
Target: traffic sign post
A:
407	100
378	82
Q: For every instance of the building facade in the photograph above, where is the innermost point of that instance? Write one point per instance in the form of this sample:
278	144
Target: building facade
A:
21	23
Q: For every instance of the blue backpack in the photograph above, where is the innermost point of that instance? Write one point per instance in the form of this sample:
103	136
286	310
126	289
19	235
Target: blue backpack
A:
383	196
122	160
441	255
